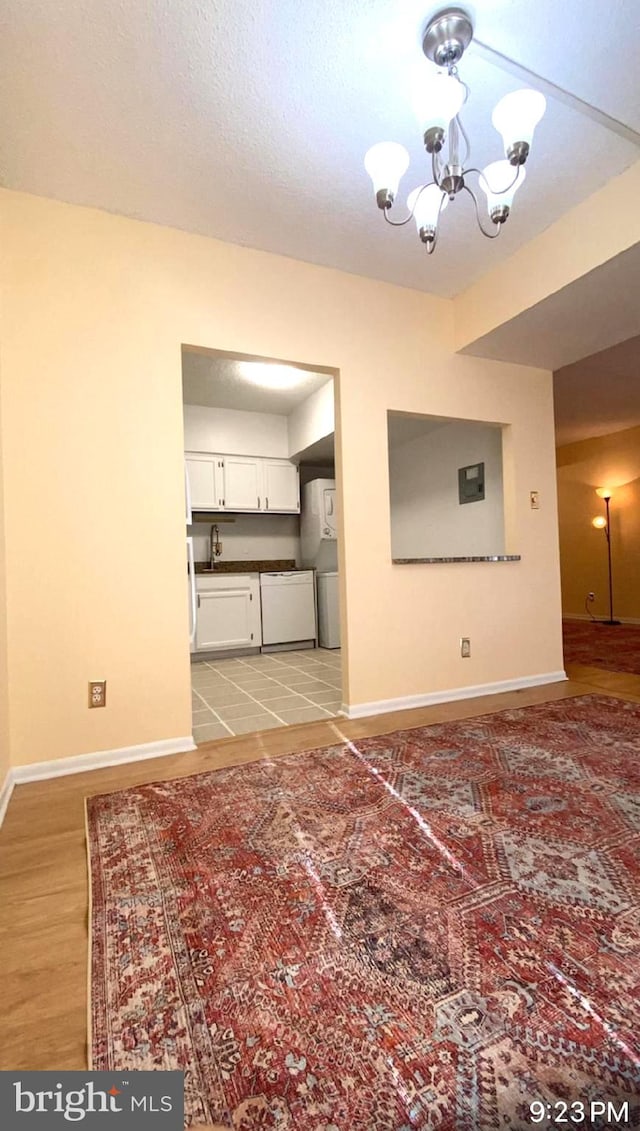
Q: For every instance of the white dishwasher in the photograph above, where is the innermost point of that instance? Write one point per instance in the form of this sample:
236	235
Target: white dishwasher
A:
288	607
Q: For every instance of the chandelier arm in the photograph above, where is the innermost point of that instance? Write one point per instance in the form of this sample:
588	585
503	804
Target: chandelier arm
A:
401	223
502	191
490	235
397	223
435	172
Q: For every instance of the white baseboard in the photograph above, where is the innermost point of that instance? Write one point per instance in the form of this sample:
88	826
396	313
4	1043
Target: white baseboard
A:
5	794
585	616
384	706
80	763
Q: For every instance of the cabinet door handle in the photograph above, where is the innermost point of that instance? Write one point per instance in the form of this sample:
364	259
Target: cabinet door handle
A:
266	503
258	502
198	600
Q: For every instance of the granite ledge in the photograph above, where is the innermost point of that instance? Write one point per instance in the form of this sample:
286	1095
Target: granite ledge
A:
433	561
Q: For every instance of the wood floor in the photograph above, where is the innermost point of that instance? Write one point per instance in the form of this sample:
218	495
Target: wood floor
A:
43	863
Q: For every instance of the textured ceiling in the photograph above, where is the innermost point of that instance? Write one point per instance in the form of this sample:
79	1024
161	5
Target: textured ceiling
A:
598	395
220	382
248	119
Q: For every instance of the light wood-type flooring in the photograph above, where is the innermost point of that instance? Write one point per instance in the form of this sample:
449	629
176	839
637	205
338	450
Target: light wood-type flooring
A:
43	863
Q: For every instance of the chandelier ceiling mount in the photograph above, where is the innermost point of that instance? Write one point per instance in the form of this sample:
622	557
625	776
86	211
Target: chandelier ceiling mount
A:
447	37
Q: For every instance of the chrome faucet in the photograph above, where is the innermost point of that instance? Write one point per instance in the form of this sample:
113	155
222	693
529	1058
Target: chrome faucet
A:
215	546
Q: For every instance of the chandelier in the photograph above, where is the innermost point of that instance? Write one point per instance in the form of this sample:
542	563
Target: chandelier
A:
439	101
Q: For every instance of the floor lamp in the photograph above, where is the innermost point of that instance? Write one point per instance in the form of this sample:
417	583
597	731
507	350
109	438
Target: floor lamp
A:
602	523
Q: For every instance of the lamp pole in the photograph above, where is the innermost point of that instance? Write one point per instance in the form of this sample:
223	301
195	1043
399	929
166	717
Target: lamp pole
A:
607	530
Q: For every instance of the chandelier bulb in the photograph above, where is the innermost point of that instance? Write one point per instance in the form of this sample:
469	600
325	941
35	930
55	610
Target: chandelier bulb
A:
425	204
500	182
515	117
438	98
385	163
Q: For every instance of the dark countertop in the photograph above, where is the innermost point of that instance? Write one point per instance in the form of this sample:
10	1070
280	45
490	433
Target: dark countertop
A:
246	566
433	561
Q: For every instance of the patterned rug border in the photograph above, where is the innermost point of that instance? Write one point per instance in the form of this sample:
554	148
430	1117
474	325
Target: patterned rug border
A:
89	1052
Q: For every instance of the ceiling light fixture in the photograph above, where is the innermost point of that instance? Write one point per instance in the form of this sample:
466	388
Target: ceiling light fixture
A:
438	104
271	375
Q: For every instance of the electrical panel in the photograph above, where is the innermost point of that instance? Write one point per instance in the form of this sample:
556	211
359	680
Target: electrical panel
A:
471	483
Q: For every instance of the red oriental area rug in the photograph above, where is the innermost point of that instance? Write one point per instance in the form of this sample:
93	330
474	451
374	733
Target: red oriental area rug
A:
435	928
614	647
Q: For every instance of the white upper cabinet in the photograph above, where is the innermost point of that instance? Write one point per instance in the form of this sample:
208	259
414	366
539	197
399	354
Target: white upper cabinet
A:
281	485
205	480
242	483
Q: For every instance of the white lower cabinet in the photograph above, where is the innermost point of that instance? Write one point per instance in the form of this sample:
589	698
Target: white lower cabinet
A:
228	612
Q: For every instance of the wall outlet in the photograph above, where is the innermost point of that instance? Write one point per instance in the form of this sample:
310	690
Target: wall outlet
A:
465	647
97	692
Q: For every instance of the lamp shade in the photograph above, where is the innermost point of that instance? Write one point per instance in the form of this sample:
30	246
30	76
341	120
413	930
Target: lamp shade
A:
438	98
385	163
500	183
600	522
426	205
604	492
516	116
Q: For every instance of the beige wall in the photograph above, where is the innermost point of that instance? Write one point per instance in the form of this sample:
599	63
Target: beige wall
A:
96	309
607	461
4	672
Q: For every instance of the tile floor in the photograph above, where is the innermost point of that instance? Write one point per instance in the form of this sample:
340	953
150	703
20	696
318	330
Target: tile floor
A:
249	693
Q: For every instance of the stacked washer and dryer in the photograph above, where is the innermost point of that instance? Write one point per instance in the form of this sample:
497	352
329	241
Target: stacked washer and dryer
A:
319	550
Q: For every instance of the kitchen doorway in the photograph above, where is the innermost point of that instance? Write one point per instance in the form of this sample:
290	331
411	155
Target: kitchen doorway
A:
262	536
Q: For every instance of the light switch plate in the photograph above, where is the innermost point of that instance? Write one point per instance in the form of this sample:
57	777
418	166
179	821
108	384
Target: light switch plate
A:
535	500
